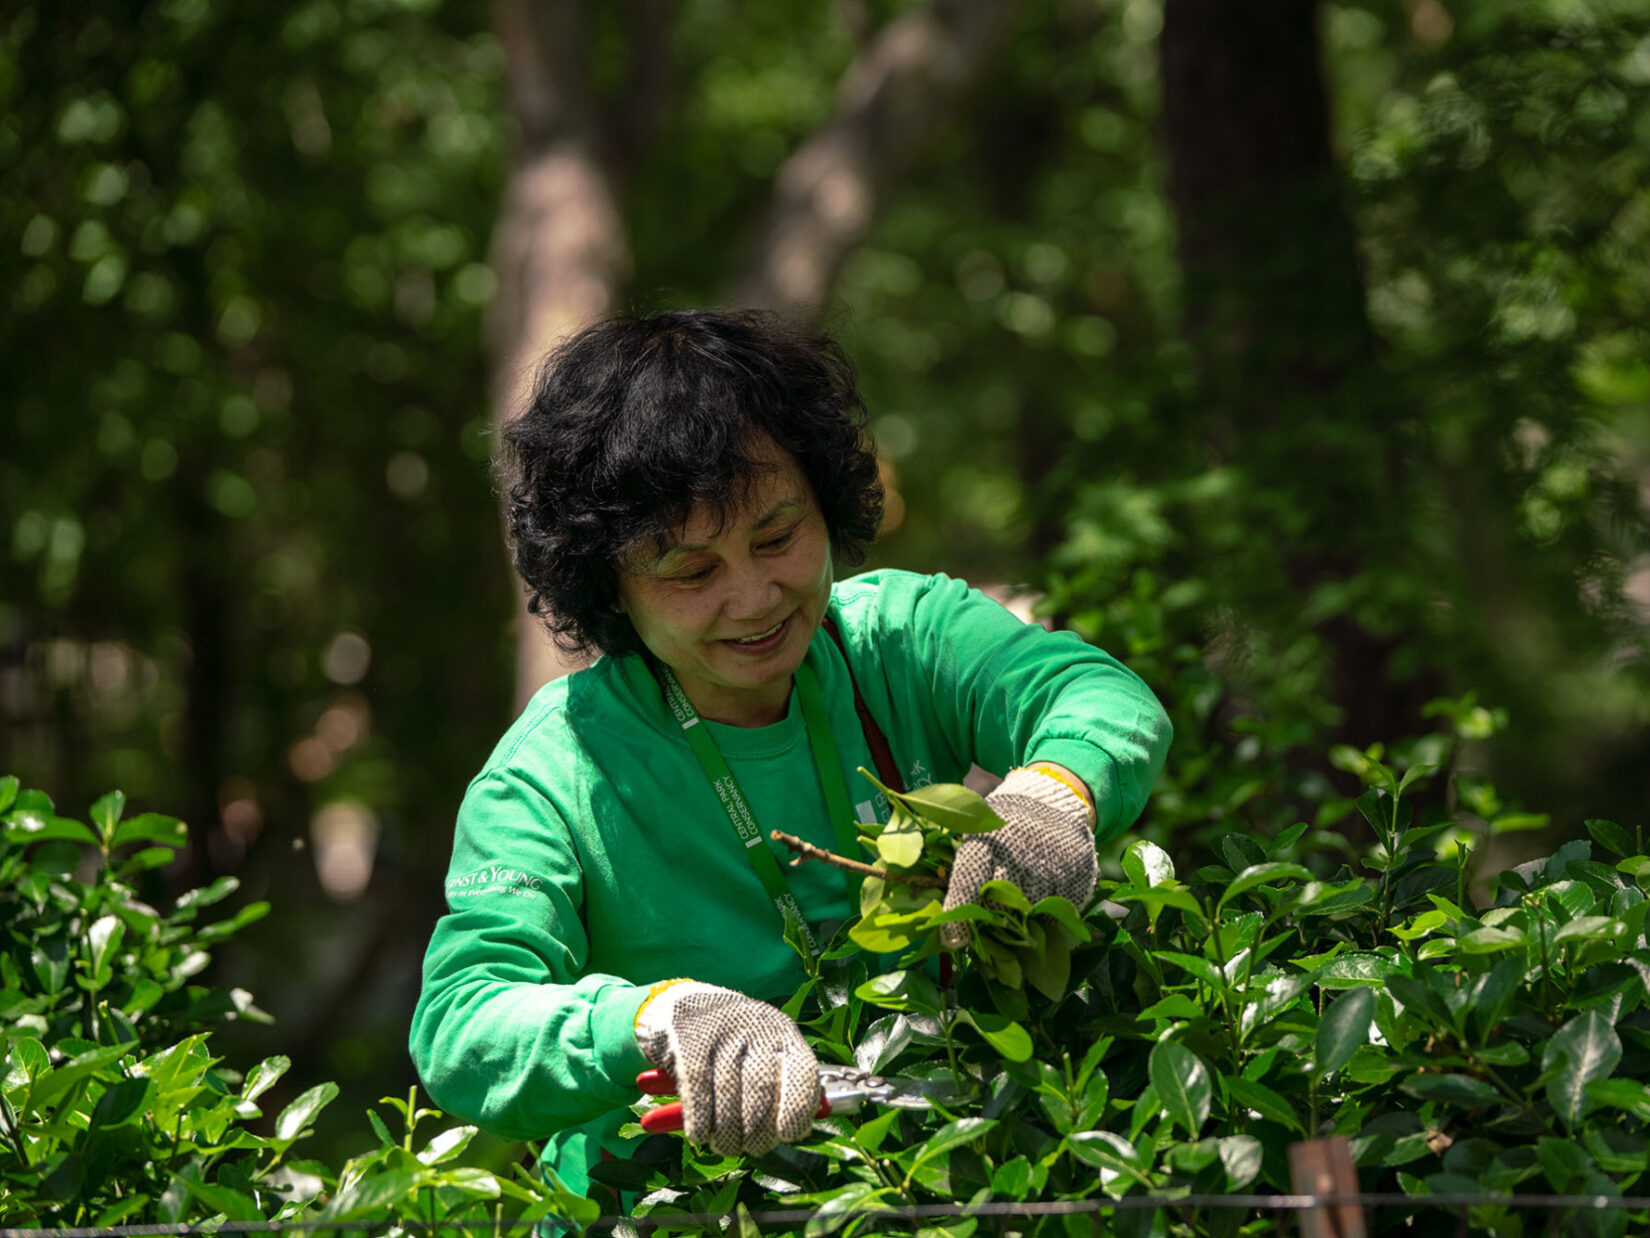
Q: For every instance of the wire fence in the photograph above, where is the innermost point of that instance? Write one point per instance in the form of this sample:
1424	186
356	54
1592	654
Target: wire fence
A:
623	1225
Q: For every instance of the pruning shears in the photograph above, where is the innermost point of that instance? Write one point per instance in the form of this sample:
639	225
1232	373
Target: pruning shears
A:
843	1089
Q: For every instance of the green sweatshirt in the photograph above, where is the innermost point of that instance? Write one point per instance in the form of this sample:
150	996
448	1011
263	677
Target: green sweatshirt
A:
592	858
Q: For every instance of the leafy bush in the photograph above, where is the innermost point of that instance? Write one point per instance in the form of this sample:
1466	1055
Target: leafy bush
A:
1467	1034
112	1107
1215	1016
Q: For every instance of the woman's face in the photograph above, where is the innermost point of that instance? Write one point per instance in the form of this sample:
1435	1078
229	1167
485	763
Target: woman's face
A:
731	601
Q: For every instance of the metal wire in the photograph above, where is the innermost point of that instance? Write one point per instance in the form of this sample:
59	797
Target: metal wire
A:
1075	1207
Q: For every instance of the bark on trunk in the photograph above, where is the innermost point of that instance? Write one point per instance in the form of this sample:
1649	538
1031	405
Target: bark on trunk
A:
1274	309
559	252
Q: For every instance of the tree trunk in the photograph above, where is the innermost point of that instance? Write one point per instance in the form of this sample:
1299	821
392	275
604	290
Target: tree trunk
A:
559	253
1274	310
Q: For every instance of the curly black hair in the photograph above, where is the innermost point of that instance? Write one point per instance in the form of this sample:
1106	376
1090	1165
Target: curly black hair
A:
634	421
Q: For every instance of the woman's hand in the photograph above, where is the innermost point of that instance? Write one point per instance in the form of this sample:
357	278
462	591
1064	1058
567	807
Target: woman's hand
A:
746	1076
1045	845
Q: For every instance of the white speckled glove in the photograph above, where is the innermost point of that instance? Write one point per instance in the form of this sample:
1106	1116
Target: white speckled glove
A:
746	1076
1045	846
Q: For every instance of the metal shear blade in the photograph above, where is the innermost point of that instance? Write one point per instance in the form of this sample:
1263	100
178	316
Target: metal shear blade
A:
847	1089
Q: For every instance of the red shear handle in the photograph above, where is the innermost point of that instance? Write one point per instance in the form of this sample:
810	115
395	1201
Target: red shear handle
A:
669	1117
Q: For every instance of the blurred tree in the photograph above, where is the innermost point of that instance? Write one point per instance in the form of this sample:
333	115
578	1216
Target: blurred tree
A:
253	572
1287	393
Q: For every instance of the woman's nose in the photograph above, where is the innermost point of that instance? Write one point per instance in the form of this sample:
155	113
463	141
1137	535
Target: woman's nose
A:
754	592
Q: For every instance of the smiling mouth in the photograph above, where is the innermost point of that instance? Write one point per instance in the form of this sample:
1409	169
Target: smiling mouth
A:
760	636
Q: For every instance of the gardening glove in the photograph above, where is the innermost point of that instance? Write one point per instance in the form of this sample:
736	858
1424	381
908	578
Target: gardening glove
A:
746	1077
1045	845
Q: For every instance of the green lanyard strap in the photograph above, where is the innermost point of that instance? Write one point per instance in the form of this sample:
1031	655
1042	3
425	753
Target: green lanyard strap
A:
738	808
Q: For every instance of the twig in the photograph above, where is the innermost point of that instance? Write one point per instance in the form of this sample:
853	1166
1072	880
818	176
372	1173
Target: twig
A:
807	851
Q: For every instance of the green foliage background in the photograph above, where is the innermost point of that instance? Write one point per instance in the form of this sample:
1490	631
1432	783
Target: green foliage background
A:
246	393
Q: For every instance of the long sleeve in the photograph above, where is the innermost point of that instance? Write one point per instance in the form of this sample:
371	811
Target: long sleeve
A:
510	1031
947	660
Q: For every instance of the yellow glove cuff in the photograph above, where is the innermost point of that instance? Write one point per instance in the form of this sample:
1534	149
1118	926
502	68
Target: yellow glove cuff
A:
653	992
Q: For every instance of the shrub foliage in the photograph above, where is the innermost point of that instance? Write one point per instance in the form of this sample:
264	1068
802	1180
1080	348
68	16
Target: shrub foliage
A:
1468	1034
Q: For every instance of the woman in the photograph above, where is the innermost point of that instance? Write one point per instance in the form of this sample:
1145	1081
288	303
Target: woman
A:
680	488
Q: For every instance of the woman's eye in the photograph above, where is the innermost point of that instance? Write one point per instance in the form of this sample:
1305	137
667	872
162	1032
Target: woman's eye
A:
693	577
778	543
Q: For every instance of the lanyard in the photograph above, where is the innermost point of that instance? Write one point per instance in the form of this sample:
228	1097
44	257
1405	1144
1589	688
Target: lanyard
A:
738	808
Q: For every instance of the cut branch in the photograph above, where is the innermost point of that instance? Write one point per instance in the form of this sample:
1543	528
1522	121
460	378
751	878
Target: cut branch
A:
807	851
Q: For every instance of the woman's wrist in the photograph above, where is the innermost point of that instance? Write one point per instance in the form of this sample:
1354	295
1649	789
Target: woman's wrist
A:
1054	785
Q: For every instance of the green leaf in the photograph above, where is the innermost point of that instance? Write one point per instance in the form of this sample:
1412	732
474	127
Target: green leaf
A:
1004	1035
1005	894
385	1139
1490	940
448	1144
296	1116
1414	774
1159	897
122	1101
951	1135
219	890
143	861
1352	970
105	938
1147	865
1612	837
8	791
953	807
1117	1159
1421	999
472	1180
1460	1090
1590	928
903	991
1061	909
1013	1179
901	848
839	1208
1584	1050
1240	1157
966	913
1264	1101
1493	993
1627	1094
1423	924
1344	1026
31	827
1202	968
49	1087
151	827
1261	874
376	1193
1269	997
1182	1083
234	1205
870	1134
107	810
1174	1006
891	932
1241	851
1047	967
946	804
